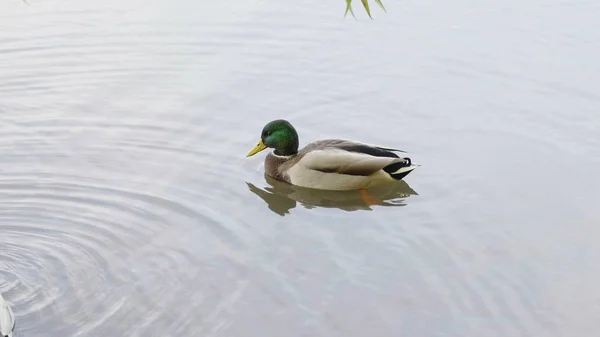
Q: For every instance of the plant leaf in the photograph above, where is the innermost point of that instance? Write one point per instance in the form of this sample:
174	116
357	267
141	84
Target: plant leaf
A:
366	5
381	5
349	8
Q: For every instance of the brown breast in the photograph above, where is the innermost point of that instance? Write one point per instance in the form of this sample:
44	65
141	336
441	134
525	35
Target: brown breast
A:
273	164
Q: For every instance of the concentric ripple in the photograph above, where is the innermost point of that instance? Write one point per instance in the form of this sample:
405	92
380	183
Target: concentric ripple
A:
65	243
100	216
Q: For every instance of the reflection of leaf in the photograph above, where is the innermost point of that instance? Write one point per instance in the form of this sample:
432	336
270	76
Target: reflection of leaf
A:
365	5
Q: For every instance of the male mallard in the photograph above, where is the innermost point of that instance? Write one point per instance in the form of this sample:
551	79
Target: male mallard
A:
7	319
330	164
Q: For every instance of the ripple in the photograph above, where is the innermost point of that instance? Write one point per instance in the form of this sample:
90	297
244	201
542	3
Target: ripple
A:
69	245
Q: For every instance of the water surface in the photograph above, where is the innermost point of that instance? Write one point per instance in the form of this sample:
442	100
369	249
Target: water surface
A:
128	208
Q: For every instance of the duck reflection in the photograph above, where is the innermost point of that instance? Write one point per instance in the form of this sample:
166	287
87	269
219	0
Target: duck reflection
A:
282	197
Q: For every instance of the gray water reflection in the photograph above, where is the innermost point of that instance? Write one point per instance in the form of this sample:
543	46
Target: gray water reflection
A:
127	207
281	197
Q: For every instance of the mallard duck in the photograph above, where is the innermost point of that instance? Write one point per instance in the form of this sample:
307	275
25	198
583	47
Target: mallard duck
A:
330	164
7	319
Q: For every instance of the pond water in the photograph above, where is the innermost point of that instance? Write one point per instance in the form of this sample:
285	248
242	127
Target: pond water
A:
128	207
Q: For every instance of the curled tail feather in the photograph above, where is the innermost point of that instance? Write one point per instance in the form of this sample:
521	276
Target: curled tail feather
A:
399	169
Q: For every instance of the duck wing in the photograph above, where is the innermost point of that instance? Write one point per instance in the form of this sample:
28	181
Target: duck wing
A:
348	157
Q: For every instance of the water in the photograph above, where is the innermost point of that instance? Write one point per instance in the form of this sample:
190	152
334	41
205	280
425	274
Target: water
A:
128	208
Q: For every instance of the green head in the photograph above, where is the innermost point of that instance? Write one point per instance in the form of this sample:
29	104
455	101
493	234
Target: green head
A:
279	135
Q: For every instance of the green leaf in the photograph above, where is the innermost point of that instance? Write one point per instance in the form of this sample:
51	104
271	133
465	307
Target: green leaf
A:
381	5
349	8
366	5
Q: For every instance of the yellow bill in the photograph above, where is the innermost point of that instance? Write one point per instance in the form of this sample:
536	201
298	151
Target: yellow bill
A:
259	147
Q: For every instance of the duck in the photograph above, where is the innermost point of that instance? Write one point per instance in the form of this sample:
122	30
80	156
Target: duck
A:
7	319
328	164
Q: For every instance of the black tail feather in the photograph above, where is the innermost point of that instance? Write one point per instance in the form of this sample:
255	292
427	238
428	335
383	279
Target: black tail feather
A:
399	176
391	168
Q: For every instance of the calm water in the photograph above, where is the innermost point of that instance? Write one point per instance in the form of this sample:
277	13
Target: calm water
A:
128	208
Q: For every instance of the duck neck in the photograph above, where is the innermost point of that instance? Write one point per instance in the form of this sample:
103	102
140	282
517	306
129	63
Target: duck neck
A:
291	149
